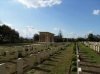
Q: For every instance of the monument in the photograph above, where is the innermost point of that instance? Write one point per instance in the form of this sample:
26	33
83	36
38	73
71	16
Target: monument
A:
46	37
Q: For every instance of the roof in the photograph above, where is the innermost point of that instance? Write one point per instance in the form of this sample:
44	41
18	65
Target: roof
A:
46	32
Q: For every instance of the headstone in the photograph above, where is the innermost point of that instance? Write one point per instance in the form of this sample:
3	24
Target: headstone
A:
94	48
16	54
19	66
31	60
24	53
98	49
79	69
3	68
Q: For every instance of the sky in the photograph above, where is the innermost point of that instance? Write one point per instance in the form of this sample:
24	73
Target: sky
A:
75	18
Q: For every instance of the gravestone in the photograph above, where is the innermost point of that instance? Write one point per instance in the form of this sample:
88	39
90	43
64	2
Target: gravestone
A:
98	49
16	54
19	66
3	68
30	61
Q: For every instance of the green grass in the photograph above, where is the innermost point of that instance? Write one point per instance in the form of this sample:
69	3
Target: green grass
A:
74	61
92	55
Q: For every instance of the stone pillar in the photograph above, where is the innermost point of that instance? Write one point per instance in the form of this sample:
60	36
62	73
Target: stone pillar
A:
19	66
3	68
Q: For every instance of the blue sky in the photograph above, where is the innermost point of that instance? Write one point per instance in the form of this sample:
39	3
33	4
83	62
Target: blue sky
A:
73	17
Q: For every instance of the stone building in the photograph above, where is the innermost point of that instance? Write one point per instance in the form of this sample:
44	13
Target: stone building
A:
46	37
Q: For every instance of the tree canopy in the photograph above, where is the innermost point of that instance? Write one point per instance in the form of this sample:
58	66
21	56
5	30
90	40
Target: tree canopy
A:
9	35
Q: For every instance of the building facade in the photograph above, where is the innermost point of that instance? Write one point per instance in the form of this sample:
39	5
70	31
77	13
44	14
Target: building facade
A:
46	37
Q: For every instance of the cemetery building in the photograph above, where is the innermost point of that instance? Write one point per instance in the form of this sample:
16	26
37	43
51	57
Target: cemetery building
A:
46	37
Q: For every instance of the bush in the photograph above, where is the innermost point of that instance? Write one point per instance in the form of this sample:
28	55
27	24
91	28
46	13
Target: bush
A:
74	63
74	58
74	68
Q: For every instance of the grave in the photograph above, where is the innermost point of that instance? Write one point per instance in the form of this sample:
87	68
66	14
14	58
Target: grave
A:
19	66
3	68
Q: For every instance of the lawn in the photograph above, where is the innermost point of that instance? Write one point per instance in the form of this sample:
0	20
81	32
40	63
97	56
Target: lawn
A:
92	55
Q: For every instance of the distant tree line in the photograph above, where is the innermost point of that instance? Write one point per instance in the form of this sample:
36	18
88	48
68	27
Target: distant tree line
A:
9	35
90	37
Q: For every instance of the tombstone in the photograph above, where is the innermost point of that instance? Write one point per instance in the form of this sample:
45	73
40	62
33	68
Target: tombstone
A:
47	54
16	54
3	68
19	66
79	69
91	46
98	49
37	59
94	47
31	50
24	53
7	54
78	60
31	60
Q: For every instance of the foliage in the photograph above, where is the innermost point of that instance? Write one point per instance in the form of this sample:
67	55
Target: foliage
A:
36	37
9	35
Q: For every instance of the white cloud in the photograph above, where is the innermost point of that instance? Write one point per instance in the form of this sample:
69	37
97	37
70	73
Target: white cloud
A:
8	24
72	35
89	32
56	29
39	3
96	12
28	31
1	22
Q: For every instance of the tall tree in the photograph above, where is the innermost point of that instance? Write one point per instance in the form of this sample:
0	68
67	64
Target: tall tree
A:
60	36
8	35
91	37
36	38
